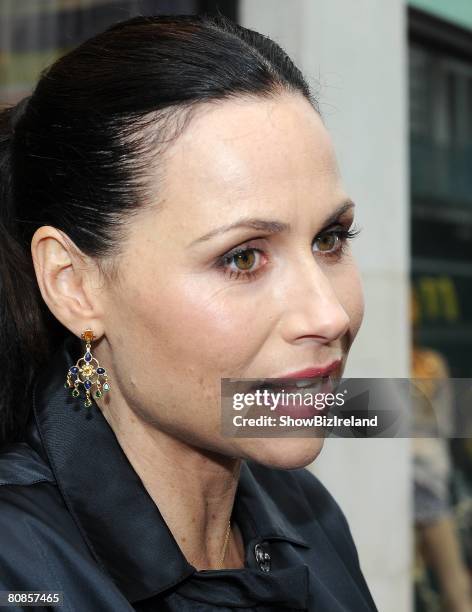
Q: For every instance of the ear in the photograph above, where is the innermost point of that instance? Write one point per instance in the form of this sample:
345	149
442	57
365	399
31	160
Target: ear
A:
66	278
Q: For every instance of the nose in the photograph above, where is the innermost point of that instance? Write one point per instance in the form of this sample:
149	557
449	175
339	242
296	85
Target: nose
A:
311	307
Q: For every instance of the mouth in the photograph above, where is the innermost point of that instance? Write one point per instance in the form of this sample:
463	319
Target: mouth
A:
314	379
300	393
322	384
298	397
313	371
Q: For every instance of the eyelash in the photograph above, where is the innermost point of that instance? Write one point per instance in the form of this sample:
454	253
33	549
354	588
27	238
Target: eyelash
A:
343	236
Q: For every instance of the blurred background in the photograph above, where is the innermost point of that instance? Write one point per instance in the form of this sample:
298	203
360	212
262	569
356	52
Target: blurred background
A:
394	81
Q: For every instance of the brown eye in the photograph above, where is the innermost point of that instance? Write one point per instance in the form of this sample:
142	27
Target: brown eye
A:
327	242
244	260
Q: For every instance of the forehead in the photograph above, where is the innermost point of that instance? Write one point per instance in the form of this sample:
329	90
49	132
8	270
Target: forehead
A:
251	146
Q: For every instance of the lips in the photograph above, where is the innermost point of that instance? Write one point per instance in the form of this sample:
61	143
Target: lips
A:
291	385
313	371
311	376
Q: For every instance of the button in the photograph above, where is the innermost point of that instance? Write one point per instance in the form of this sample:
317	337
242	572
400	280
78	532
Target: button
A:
262	558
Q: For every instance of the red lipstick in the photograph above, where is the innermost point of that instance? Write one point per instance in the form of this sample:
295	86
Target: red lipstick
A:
313	371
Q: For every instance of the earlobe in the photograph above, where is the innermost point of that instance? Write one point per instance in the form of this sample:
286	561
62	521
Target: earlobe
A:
61	273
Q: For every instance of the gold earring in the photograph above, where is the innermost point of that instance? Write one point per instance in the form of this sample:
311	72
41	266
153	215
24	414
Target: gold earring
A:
88	372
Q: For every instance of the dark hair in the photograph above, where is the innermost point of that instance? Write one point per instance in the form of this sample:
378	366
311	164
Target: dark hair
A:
76	153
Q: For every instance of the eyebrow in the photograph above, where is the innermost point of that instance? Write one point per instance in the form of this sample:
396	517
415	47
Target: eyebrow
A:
269	226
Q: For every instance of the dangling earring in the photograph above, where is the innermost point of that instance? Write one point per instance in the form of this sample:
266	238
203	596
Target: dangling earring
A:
87	371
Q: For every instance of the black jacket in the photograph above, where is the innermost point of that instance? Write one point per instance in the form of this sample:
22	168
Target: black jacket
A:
75	518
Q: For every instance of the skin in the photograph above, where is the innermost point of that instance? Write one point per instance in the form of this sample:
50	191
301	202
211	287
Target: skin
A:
175	323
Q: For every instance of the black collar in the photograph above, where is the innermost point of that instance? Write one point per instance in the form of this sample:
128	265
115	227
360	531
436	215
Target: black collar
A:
118	519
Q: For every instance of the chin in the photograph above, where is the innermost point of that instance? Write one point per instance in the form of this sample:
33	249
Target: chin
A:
284	453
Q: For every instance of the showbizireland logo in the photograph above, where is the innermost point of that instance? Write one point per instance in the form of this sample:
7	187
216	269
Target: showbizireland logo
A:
354	407
314	421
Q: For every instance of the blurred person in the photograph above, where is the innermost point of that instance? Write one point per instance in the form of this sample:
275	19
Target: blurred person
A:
437	545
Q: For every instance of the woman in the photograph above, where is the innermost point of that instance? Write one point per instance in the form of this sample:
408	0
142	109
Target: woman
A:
171	197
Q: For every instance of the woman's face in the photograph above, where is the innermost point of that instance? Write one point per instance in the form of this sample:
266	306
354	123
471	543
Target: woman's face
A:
257	175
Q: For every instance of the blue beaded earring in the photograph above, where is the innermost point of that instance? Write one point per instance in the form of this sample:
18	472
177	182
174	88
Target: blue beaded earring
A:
88	372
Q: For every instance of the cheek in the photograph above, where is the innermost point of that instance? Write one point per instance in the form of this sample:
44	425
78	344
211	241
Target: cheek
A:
349	289
188	328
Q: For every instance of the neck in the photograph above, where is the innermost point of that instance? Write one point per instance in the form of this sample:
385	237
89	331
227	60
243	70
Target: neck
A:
194	489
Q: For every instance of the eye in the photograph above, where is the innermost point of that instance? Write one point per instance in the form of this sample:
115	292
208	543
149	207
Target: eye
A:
242	262
334	242
327	242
